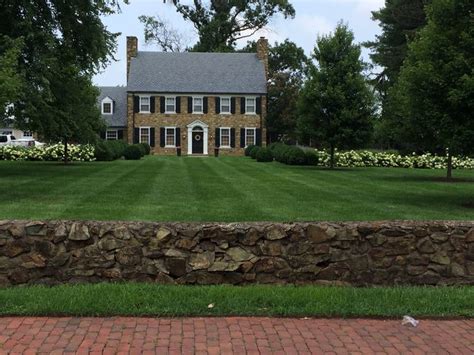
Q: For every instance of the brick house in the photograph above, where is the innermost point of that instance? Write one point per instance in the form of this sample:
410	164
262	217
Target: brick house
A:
191	103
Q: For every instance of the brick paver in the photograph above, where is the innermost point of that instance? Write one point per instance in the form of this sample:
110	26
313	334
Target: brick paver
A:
237	335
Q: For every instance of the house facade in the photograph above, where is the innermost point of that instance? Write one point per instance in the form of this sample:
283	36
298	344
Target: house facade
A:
190	103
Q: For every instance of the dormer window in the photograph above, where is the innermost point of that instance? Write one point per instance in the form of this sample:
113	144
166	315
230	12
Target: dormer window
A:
107	106
144	104
225	105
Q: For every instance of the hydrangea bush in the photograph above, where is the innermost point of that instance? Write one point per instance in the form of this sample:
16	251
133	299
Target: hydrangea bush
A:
386	159
53	152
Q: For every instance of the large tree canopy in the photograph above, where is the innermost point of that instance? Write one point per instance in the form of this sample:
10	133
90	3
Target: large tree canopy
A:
220	23
434	95
336	105
63	42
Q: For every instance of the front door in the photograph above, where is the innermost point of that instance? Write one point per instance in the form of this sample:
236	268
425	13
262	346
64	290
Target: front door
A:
198	142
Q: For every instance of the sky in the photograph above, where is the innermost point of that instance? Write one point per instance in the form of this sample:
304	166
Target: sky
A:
313	18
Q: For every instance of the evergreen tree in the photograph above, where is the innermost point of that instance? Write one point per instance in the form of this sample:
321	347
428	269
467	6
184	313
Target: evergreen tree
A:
336	104
435	92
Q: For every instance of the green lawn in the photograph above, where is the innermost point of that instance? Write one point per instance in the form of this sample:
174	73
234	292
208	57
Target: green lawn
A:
227	189
158	300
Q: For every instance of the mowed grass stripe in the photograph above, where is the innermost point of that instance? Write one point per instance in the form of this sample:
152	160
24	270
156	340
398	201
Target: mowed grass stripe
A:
228	189
129	299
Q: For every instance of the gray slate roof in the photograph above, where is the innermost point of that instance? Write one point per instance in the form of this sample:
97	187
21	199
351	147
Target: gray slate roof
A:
119	95
192	72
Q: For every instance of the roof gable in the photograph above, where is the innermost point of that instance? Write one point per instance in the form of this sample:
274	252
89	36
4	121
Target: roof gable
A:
192	72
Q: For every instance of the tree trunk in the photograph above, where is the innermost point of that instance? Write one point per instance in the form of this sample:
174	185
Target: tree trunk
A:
332	156
449	175
66	153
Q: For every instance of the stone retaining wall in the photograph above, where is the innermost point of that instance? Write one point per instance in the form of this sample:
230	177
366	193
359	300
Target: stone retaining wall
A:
378	253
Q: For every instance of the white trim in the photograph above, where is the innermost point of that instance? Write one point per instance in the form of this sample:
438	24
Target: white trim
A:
111	130
166	104
202	105
29	135
140	103
230	105
107	100
220	137
254	105
166	137
254	129
205	127
140	134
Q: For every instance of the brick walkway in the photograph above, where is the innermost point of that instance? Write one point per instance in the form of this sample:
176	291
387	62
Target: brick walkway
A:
232	335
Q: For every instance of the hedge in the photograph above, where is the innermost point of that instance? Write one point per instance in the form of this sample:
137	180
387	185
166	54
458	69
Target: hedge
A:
53	152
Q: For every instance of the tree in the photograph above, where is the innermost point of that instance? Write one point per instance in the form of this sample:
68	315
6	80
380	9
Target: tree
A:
161	33
287	65
220	23
435	92
60	38
336	104
11	82
400	20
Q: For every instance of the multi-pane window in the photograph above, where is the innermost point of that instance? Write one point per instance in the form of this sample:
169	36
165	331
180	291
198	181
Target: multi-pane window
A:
145	104
249	136
170	137
170	105
145	135
250	105
197	104
111	134
107	108
225	137
225	104
27	134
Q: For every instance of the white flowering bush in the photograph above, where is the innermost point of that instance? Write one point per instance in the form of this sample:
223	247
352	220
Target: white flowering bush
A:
388	159
54	152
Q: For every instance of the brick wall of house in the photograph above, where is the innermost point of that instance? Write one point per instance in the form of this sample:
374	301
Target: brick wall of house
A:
182	120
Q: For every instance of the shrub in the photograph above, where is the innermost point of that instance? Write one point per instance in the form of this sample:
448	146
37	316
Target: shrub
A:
146	148
254	151
104	151
311	158
248	149
264	155
279	152
54	152
118	147
133	152
295	156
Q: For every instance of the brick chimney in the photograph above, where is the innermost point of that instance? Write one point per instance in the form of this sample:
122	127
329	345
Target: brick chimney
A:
262	52
132	48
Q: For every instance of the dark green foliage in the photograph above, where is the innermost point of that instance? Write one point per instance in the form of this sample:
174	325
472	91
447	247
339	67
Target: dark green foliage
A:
336	104
219	24
295	156
104	151
63	45
287	65
11	81
133	152
264	155
254	151
279	152
117	147
311	158
400	21
248	149
434	96
146	148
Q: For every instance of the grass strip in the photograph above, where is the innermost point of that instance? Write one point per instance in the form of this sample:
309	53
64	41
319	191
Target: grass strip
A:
140	299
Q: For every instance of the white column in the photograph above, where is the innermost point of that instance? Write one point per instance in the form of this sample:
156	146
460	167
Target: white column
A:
205	140
190	141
